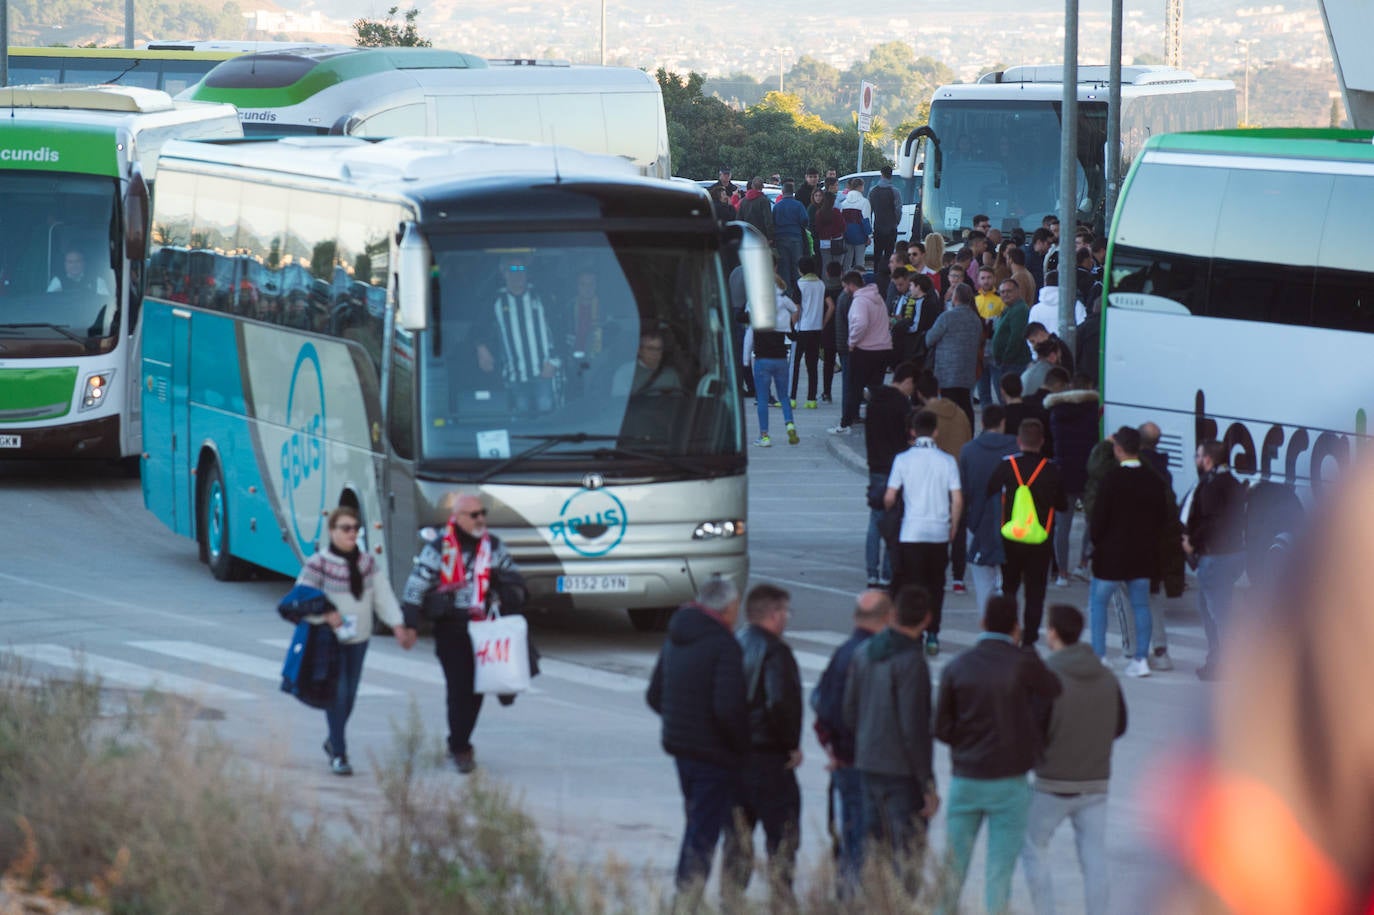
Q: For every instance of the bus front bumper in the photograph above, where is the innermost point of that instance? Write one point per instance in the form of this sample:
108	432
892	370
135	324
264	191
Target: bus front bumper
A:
98	438
621	585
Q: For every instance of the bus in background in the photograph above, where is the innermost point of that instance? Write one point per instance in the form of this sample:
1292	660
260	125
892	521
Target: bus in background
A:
392	92
395	343
75	167
1262	346
172	66
996	141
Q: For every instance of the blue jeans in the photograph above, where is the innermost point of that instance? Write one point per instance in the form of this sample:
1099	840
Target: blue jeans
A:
350	672
770	374
709	794
1216	583
894	825
877	554
1138	593
1063	527
789	254
846	785
1005	804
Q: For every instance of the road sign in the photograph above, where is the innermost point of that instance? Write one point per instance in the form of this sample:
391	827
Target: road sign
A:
865	123
866	95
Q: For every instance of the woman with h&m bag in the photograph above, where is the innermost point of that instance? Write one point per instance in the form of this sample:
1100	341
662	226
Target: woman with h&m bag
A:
353	584
461	574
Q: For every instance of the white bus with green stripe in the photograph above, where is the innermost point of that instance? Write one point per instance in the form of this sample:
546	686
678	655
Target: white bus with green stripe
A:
75	167
399	92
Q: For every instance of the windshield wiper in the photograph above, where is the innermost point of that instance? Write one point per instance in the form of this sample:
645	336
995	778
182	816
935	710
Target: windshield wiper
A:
61	330
544	443
677	463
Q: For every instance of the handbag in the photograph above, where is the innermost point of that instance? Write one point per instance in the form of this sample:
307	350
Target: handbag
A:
501	654
310	671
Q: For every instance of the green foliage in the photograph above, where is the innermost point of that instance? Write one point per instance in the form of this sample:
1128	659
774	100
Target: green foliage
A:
776	134
387	33
1282	95
97	23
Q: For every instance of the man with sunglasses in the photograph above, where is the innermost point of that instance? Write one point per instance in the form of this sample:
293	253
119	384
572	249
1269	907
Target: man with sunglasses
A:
461	572
520	342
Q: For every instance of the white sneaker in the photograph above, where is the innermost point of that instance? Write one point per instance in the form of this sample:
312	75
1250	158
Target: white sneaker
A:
1061	582
1159	660
1138	668
839	430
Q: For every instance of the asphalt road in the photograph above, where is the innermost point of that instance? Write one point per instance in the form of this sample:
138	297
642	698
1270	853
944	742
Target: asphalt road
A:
88	577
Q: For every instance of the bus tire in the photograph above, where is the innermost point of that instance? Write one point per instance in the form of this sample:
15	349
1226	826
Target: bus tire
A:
650	619
214	526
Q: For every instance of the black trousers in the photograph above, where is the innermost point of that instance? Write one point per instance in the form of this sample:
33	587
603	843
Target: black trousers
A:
808	349
964	400
884	243
923	564
769	795
1029	565
829	362
453	646
867	366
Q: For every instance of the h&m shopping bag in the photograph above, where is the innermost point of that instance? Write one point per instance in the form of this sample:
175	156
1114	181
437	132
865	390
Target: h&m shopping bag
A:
500	654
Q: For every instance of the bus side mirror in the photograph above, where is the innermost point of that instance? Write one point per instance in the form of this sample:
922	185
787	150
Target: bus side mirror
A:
136	217
759	289
413	272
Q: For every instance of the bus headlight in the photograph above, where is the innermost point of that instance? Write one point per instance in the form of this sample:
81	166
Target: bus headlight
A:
97	388
711	530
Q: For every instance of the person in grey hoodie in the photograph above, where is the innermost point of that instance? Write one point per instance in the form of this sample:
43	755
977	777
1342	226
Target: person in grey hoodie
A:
978	460
1071	779
957	340
887	707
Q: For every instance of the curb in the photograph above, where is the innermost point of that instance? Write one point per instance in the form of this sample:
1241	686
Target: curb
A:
843	451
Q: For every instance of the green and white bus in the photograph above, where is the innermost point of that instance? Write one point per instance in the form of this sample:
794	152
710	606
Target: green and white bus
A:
75	168
1240	300
408	92
333	321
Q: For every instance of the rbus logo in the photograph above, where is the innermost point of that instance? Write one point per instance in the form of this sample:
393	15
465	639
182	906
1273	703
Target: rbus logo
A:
42	154
592	522
302	454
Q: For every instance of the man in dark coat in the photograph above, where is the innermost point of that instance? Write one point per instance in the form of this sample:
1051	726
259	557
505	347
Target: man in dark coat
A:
1074	416
1129	512
770	794
697	688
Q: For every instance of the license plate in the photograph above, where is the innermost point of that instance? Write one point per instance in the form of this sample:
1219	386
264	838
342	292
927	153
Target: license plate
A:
9	441
592	584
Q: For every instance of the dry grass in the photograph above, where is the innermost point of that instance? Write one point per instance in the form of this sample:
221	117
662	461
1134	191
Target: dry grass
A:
137	810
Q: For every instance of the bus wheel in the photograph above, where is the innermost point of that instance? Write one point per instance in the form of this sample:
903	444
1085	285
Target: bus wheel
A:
650	619
214	526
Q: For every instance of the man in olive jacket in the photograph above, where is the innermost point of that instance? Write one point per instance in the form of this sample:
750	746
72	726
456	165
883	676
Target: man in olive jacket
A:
1071	778
986	713
698	689
887	707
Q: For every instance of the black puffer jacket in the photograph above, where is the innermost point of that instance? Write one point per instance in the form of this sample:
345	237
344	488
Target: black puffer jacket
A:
698	689
772	684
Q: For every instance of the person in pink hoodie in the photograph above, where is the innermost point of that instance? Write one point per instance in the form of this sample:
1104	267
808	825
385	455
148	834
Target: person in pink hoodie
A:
870	349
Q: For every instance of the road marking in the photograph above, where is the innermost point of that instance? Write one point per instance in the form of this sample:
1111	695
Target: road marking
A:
808	660
427	671
111	670
238	662
823	636
850	593
591	676
184	618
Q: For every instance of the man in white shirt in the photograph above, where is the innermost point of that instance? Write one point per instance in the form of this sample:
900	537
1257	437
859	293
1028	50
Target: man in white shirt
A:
74	277
927	480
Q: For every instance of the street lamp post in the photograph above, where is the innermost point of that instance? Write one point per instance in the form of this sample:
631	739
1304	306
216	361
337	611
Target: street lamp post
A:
603	33
1246	43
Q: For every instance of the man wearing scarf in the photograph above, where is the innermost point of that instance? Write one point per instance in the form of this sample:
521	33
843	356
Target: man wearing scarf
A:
460	574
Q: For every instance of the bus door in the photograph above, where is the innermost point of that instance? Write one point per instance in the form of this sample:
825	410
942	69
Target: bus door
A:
184	512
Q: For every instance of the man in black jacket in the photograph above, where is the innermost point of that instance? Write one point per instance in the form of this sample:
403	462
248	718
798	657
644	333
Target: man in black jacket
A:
1028	562
697	688
1215	537
985	712
770	792
885	435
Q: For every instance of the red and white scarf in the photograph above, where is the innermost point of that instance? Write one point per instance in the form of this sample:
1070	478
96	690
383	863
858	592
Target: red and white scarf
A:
453	574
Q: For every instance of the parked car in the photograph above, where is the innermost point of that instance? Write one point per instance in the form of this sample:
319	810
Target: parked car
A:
909	188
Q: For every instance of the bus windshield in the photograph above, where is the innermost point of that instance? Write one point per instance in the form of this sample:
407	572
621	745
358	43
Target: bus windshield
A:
584	343
1002	160
58	289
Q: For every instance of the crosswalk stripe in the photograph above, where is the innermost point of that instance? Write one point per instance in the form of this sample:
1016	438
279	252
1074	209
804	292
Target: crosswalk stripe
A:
238	662
819	636
426	671
112	670
591	676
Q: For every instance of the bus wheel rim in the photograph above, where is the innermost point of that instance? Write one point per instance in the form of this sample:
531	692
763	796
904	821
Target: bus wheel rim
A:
216	537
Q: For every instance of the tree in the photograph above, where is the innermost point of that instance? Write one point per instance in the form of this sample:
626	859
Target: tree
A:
701	129
387	33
